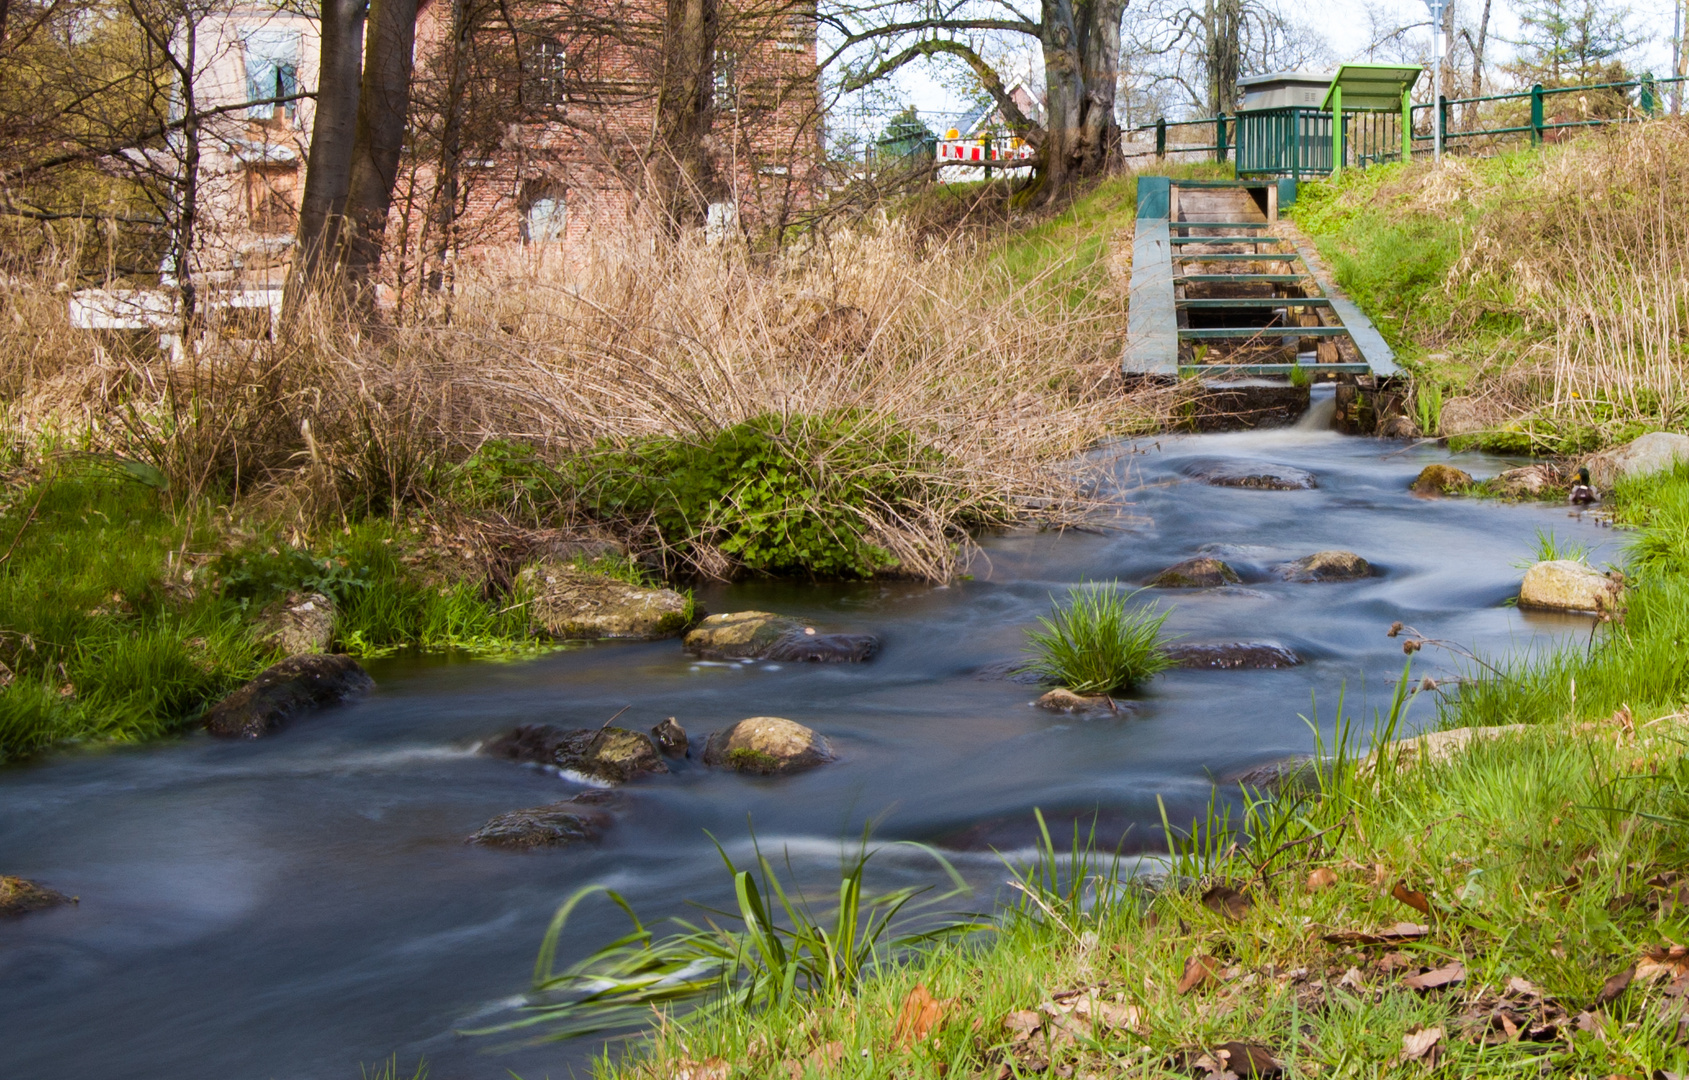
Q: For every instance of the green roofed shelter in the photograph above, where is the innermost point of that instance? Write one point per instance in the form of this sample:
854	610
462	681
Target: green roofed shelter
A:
1370	88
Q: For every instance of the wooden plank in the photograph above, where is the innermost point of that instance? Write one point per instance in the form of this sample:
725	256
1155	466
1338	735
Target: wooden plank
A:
1342	367
1276	279
1235	256
1224	239
1368	341
1220	333
1220	224
1152	325
1255	301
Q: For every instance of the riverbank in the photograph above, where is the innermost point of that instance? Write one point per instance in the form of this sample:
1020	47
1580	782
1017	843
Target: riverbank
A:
1535	296
1515	901
859	407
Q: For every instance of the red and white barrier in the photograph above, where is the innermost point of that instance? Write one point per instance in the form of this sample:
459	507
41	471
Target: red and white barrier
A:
983	151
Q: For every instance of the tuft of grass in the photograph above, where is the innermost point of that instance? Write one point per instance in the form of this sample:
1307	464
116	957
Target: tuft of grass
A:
1551	548
771	951
1096	643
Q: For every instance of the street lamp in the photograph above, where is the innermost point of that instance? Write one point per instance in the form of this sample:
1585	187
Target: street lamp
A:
1436	7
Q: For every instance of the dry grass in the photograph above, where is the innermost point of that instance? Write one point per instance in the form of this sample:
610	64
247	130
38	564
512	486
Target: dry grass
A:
1007	384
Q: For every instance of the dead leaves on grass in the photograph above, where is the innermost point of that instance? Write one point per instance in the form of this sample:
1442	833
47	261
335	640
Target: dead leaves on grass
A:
1201	971
1225	901
920	1016
1039	1038
1421	1044
1437	978
1395	935
1230	1061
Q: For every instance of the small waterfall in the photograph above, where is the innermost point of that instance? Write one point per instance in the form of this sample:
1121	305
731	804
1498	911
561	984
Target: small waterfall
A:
1319	414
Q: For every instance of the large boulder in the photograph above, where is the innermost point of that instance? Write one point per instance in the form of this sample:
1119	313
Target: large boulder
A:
611	754
297	685
1439	479
1334	565
762	635
1286	774
1464	416
767	745
19	897
1568	585
555	824
1232	655
568	602
1654	452
1201	572
301	623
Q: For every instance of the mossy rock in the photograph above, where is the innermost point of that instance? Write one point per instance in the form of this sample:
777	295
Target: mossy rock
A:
566	602
1334	565
1440	479
19	897
1202	572
740	635
767	746
612	754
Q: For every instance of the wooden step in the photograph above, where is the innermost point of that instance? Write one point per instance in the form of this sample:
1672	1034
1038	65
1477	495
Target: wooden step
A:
1341	367
1221	333
1242	279
1253	301
1226	240
1219	225
1234	256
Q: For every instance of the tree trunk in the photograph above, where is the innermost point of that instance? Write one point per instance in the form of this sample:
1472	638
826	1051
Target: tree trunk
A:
383	104
1224	26
1478	66
443	218
1081	43
328	172
681	177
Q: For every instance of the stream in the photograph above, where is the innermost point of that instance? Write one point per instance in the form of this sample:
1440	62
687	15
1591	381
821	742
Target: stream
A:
298	905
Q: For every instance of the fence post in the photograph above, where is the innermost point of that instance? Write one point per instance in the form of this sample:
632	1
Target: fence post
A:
1443	112
1407	126
1219	136
1536	114
1161	137
1336	130
1646	98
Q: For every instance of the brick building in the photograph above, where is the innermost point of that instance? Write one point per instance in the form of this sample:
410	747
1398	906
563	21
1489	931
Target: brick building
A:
532	129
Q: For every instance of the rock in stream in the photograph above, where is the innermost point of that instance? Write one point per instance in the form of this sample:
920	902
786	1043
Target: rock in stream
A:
1232	655
768	746
297	685
568	602
19	897
1202	572
763	635
611	754
557	824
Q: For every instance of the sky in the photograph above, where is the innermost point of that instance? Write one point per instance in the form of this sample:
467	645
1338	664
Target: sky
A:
1345	26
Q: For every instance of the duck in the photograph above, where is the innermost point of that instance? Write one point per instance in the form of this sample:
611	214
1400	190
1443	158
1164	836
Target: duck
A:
1583	493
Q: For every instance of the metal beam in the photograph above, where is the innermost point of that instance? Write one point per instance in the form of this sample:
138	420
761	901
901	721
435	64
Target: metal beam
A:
1152	324
1254	301
1221	333
1339	368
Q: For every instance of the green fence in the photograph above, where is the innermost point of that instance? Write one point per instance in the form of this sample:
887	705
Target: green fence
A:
1296	141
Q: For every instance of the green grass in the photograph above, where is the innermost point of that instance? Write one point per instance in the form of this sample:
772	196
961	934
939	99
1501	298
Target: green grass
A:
103	632
1552	854
1096	643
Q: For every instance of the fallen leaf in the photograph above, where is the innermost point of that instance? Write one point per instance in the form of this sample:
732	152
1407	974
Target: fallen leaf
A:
920	1016
1402	931
1422	1044
822	1061
1227	901
1614	986
1662	962
1321	879
1446	975
1249	1059
1411	897
712	1069
1023	1024
1199	971
1352	980
1523	987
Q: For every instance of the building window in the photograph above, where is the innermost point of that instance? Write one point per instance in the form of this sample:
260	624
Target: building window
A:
726	95
272	71
543	214
547	74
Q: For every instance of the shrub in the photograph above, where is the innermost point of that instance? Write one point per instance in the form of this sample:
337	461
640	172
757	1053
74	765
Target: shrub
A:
1095	643
775	495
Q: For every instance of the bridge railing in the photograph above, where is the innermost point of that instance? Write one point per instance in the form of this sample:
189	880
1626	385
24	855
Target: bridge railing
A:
1296	141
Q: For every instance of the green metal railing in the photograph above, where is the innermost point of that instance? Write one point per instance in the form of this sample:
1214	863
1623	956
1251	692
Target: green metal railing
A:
1297	141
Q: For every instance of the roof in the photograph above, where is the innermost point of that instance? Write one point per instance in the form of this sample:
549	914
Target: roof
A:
1372	87
1308	78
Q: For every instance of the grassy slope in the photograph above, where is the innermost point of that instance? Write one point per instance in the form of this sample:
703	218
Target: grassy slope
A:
1549	855
1521	280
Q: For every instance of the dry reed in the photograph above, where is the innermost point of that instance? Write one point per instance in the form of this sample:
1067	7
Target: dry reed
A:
633	339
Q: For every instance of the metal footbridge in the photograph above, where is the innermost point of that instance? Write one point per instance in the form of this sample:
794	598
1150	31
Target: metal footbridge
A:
1220	287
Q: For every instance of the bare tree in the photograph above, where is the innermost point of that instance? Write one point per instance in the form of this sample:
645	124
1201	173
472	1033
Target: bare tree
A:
329	172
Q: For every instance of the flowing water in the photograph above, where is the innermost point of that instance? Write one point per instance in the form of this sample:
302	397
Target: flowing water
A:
296	906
